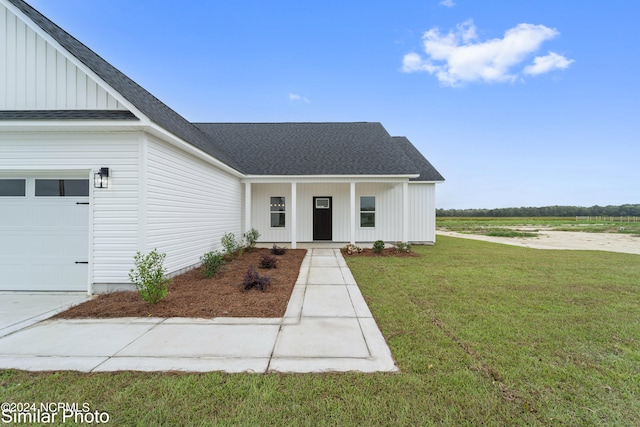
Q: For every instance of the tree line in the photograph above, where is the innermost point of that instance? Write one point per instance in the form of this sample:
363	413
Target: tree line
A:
565	211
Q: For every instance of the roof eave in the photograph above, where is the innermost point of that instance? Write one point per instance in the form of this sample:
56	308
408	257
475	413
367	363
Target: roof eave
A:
397	178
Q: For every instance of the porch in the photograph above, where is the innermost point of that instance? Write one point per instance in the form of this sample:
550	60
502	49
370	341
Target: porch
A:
331	212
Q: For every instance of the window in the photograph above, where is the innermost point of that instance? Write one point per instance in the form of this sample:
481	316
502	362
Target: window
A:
278	212
322	203
62	187
13	187
367	211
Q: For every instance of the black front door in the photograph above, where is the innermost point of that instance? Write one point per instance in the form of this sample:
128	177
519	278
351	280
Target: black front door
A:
322	228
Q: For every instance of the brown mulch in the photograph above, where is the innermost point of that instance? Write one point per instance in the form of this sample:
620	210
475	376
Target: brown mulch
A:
385	253
191	295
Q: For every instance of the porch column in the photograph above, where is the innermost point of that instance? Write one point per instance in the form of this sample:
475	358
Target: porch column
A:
405	211
247	206
352	211
294	214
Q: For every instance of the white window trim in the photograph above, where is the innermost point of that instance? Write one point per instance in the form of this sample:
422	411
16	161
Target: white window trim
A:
328	199
285	212
374	211
26	187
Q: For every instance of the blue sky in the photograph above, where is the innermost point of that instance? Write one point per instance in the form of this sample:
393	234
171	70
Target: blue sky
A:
516	103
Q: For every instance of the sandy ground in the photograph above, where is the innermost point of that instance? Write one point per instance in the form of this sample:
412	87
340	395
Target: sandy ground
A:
547	239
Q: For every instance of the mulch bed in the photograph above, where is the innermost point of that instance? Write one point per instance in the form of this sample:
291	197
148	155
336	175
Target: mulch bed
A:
191	295
387	252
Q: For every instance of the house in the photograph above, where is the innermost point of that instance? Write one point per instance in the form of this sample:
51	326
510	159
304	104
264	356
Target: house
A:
94	168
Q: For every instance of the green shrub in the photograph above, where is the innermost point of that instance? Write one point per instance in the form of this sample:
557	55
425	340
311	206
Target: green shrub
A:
378	246
212	263
232	247
149	276
251	237
403	246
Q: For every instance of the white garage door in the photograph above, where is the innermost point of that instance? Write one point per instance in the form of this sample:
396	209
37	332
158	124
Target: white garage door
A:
44	229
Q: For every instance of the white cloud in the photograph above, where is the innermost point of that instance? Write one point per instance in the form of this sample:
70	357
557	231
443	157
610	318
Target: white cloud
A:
459	56
544	64
294	97
447	3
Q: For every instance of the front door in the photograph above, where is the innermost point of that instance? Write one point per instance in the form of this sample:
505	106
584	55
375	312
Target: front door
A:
322	226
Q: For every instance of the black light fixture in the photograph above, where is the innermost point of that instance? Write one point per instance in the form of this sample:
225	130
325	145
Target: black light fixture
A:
101	178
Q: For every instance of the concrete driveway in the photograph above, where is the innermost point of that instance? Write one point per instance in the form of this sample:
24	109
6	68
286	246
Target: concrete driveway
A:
19	310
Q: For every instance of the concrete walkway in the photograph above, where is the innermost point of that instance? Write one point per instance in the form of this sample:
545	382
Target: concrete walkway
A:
327	327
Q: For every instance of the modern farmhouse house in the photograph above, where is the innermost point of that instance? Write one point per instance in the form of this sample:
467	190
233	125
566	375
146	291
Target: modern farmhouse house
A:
94	168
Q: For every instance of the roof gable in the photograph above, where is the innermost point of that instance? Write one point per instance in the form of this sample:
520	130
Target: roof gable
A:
38	76
425	168
154	109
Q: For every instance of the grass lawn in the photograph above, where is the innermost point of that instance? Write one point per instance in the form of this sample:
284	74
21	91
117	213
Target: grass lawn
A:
483	334
494	226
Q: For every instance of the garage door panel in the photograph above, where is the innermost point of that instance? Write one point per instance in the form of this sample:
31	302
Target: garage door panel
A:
13	242
42	238
14	215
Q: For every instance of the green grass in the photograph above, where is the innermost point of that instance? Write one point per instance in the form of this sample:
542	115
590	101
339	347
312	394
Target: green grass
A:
485	225
483	334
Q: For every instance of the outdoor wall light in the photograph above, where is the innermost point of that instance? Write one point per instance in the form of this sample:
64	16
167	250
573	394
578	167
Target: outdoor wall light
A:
101	178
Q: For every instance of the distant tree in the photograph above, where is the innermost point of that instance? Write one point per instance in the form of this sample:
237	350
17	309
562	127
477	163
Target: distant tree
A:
544	211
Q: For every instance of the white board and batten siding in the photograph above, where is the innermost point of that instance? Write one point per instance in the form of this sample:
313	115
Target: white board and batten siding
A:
422	212
190	204
389	215
37	76
114	211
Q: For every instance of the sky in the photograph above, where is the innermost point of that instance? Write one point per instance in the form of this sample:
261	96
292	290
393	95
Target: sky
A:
515	102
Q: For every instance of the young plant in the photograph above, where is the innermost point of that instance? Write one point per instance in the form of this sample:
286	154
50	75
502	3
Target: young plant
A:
253	280
352	249
277	250
212	263
251	237
148	276
267	261
232	247
403	247
378	246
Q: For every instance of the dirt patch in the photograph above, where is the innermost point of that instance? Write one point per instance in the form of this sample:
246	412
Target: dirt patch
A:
191	295
572	240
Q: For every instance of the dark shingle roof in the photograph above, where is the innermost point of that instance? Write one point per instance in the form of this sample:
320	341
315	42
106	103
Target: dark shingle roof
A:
251	148
153	108
67	115
427	171
318	149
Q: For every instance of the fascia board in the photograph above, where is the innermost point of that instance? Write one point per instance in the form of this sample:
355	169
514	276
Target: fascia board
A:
327	178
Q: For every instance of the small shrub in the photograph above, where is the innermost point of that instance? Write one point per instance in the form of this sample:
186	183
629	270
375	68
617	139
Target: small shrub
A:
251	237
253	280
232	247
277	250
212	263
352	249
148	276
378	246
267	261
403	247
